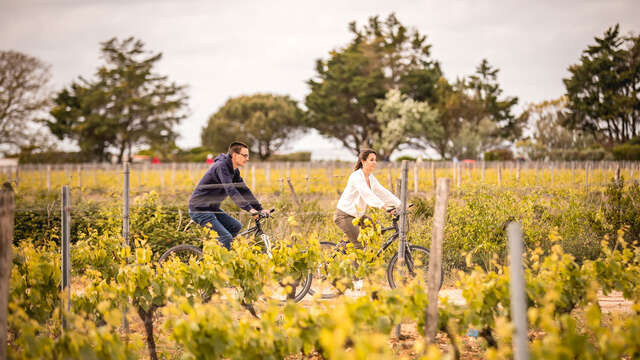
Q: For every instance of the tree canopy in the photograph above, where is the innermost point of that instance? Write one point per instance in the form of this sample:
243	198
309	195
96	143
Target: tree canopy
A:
262	121
603	89
382	55
473	115
127	104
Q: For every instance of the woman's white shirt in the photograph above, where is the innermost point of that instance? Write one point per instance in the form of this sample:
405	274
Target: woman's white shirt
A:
357	195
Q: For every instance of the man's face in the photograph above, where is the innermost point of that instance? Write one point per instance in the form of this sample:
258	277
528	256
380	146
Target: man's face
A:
241	158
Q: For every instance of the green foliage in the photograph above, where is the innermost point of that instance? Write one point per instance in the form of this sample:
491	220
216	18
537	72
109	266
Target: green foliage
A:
127	105
622	210
498	155
264	122
161	227
472	116
602	89
381	56
400	118
296	156
97	252
53	157
35	279
550	139
626	152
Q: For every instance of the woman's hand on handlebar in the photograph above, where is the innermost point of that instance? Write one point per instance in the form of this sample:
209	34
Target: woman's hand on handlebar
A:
394	210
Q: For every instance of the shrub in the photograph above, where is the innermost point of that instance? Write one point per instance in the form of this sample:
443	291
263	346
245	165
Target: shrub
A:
626	151
498	155
296	156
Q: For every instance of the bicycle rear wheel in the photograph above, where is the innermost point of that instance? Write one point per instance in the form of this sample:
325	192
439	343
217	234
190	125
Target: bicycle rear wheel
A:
185	253
416	267
321	283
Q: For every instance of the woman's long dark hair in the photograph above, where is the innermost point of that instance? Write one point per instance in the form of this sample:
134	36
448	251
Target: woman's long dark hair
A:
364	154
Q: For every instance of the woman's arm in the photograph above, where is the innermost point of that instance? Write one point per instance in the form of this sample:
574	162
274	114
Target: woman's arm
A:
385	195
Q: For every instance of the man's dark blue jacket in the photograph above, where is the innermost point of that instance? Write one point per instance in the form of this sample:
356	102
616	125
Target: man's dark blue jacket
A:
230	183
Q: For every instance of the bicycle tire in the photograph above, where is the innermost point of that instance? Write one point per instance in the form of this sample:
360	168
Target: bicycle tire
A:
304	289
418	254
183	250
323	287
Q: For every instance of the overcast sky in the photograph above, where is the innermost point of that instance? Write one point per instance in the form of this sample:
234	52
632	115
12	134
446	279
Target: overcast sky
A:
222	49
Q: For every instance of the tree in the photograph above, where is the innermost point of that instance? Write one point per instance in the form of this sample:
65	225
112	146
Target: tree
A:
472	115
485	89
400	117
603	89
264	122
548	135
126	105
23	81
380	57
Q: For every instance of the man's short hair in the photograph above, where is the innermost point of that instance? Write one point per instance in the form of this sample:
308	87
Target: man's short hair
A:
236	146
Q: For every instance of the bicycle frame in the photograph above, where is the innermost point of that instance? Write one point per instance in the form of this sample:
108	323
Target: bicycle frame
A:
259	234
391	238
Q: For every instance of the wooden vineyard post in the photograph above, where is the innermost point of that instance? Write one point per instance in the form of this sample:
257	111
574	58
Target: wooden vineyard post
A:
173	174
484	166
415	177
293	193
402	241
268	174
586	176
500	174
517	292
66	263
453	172
435	260
48	178
125	227
7	216
308	177
253	178
390	176
433	174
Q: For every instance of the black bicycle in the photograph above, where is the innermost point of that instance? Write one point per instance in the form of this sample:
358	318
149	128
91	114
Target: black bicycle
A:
416	262
299	288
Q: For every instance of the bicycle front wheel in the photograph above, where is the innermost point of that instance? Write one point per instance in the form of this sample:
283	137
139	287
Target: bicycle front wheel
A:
416	266
322	284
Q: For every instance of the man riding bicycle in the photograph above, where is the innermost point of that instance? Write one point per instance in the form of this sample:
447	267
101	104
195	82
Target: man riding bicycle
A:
222	180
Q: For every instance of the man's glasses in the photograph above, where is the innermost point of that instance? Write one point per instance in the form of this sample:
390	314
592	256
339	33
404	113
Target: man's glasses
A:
246	156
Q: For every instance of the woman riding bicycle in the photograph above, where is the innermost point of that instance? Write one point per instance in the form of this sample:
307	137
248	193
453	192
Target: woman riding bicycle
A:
362	190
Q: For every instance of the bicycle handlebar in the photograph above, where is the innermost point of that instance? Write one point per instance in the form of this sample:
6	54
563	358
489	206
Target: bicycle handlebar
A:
262	215
389	210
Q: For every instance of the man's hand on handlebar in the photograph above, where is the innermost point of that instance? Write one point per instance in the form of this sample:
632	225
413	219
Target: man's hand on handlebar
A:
262	213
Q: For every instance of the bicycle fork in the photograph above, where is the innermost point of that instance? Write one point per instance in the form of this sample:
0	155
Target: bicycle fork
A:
267	244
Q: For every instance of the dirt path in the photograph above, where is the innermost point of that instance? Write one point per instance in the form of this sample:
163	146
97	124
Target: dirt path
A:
613	302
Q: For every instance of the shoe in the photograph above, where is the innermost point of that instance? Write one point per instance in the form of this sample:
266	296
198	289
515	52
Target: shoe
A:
357	285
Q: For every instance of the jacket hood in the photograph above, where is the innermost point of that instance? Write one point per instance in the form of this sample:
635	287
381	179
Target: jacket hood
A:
222	157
